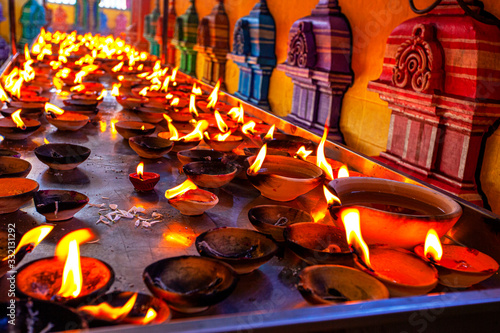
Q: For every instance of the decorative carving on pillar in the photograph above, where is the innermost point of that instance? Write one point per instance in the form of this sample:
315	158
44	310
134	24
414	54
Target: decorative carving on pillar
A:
255	56
319	63
441	84
213	43
186	31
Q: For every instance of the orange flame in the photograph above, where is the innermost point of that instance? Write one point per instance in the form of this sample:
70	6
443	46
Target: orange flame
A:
140	170
33	236
259	160
58	83
164	87
432	248
270	133
220	122
103	94
102	125
117	67
26	52
16	89
72	274
174	134
248	128
16	117
104	311
192	105
113	127
222	137
46	141
343	172
180	189
321	159
144	91
197	133
175	101
3	95
302	153
80	235
174	73
178	239
196	90
331	198
150	316
214	96
350	218
115	91
54	109
78	88
237	113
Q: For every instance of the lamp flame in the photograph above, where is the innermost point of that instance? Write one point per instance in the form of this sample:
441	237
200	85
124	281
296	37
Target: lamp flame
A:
302	153
196	90
321	159
220	122
174	101
103	94
72	273
214	96
192	105
104	311
270	133
259	160
140	170
197	133
350	218
180	189
343	172
16	117
3	95
164	87
115	91
58	83
77	88
144	91
174	134
150	316
222	137
331	198
432	248
117	67
33	236
174	73
248	128
54	109
81	236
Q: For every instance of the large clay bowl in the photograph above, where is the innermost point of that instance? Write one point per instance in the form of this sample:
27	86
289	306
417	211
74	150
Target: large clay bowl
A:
197	155
245	250
62	156
332	284
10	131
149	146
180	116
59	205
130	102
68	121
273	219
180	145
232	142
318	244
394	213
211	174
284	178
8	152
90	112
190	284
128	129
15	192
81	103
25	113
194	202
150	115
289	143
13	167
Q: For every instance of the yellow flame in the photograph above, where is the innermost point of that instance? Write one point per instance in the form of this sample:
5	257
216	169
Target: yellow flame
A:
78	88
192	105
81	236
196	90
321	159
174	134
220	122
33	236
234	112
26	52
140	67
175	101
432	248
259	160
350	218
113	127
180	189
118	67
54	109
174	73
120	77
72	273
248	128
140	169
103	94
197	133
46	141
3	95
104	311
102	125
270	133
222	137
58	83
302	153
144	91
16	117
343	172
331	198
164	87
150	316
214	96
115	91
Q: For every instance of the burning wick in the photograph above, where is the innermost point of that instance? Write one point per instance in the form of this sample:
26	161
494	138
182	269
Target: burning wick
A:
180	189
343	172
331	199
140	170
53	110
432	248
31	238
302	153
270	133
104	311
16	117
259	160
350	218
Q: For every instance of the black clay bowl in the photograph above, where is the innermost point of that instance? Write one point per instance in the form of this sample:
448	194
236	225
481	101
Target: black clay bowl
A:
149	146
59	205
128	129
211	174
198	155
332	284
62	156
137	315
13	167
8	152
273	219
10	131
318	244
15	192
244	249
190	284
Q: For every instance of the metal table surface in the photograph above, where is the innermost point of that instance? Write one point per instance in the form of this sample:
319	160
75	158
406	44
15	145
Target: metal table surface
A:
263	300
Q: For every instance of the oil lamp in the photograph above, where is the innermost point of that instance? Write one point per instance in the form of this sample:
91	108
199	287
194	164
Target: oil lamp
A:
190	200
62	156
65	121
150	147
458	266
11	167
402	272
212	104
143	181
66	277
128	129
130	101
16	128
211	174
15	192
187	140
225	142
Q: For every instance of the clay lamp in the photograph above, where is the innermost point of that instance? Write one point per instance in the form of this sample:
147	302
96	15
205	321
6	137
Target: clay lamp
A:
25	113
90	96
150	115
458	266
333	284
146	91
189	200
197	155
16	128
224	142
184	114
8	152
131	102
88	87
212	104
217	123
66	278
32	103
39	316
317	243
394	213
401	271
143	181
282	178
65	121
59	205
183	141
81	104
286	142
273	219
62	156
190	284
150	147
10	257
124	307
89	112
245	250
15	192
210	174
128	129
13	167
